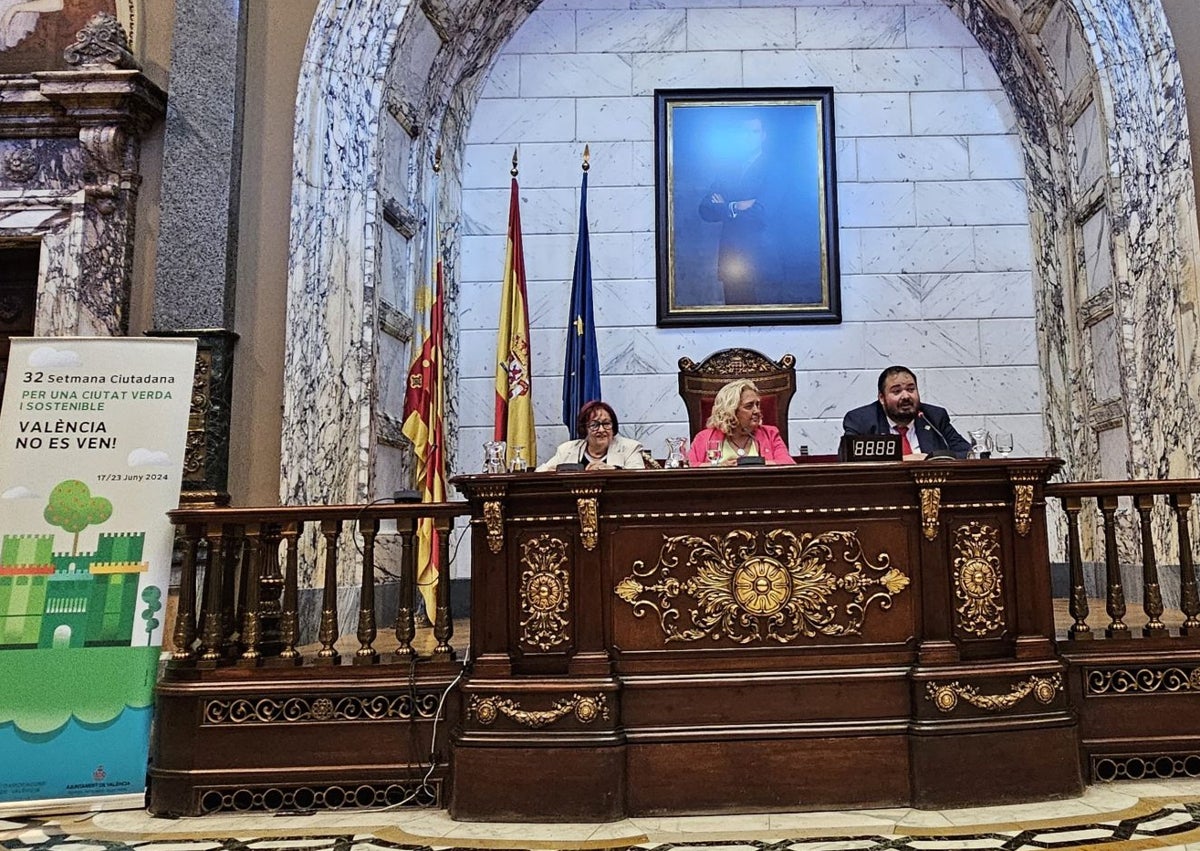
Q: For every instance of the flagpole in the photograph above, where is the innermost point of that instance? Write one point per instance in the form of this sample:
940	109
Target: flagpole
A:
581	370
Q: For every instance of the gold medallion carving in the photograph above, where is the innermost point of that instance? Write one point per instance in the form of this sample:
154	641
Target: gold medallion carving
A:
588	521
946	697
978	586
1022	508
494	520
545	592
586	710
772	587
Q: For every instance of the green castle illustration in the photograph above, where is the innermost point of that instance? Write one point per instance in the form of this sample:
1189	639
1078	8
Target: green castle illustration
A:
60	600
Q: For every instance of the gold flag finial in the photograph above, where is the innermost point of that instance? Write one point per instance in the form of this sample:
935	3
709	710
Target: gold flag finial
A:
514	168
587	155
437	159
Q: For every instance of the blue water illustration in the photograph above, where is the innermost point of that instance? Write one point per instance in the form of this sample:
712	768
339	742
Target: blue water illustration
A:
78	760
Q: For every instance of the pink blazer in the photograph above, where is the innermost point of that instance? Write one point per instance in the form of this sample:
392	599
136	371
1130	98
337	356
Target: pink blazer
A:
770	445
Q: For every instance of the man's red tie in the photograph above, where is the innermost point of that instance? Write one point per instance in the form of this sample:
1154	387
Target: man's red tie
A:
905	446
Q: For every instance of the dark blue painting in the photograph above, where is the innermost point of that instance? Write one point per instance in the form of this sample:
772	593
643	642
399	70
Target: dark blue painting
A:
747	215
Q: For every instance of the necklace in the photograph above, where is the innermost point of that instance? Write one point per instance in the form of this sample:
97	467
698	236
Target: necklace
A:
740	450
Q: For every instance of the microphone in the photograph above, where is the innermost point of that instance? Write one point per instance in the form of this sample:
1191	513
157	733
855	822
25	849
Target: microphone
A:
946	453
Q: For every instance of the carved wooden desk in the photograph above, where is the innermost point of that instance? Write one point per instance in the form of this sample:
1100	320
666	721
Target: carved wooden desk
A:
742	639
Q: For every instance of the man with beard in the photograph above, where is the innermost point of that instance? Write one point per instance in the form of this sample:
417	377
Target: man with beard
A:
922	428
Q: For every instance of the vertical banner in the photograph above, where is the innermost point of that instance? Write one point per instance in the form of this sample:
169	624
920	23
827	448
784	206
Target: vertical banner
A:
92	436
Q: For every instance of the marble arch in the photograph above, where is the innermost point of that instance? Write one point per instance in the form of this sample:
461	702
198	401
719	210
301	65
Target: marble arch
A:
1115	246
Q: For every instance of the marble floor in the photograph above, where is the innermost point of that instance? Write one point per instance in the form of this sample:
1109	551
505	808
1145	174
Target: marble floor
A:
1163	814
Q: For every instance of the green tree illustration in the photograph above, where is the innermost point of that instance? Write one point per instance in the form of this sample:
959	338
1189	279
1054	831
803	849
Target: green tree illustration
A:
73	508
151	596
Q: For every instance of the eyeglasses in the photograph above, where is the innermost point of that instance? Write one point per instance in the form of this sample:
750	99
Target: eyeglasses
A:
599	425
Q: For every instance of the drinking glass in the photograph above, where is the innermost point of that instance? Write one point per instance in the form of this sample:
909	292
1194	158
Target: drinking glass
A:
1002	443
713	452
518	464
675	451
981	443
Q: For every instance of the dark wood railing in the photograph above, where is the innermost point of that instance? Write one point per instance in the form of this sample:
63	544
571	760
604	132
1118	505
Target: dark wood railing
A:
1144	495
246	613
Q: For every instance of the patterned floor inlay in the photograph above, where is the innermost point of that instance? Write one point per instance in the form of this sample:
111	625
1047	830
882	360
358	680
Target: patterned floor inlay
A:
1120	817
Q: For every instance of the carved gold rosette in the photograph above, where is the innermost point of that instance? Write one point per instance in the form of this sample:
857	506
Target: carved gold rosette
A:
545	592
585	708
750	588
946	697
978	583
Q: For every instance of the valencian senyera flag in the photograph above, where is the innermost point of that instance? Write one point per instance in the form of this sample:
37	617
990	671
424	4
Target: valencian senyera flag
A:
514	380
581	373
424	406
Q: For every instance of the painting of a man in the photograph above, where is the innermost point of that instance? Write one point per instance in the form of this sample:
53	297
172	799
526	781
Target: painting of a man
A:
746	191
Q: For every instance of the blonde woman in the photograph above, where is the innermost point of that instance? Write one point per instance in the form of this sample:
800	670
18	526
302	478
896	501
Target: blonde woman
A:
736	430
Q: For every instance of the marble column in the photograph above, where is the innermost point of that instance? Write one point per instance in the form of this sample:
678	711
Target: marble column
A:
195	270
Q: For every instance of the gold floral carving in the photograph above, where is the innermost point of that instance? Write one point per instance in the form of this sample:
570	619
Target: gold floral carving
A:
588	521
1022	508
749	588
585	708
493	518
545	592
946	697
931	501
978	585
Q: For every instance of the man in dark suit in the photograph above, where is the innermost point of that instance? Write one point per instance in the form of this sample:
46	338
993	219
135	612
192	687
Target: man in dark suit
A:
922	428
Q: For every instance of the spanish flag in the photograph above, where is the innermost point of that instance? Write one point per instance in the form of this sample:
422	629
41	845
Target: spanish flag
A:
425	404
514	400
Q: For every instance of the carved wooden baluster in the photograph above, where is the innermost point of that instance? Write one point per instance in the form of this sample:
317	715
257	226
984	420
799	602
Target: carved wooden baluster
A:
212	635
1189	595
1152	603
233	566
288	625
366	655
251	612
1079	603
1115	595
184	633
405	625
443	623
327	634
270	586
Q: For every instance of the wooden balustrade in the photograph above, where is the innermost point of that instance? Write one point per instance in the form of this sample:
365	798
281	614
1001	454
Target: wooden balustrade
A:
248	560
1177	494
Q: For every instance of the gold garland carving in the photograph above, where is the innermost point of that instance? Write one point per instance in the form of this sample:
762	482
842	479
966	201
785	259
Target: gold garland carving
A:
493	518
545	592
588	521
978	585
586	710
747	588
1022	508
946	697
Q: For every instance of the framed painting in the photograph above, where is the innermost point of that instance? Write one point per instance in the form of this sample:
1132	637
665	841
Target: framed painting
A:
746	207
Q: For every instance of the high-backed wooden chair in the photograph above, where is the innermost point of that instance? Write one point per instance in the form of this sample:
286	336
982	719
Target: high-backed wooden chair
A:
776	382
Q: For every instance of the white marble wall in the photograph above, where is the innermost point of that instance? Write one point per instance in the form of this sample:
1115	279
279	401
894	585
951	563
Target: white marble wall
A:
935	237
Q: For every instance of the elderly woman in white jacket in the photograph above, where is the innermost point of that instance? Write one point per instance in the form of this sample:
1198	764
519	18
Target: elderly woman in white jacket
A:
600	447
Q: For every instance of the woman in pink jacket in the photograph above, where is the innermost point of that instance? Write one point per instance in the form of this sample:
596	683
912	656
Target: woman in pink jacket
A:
736	430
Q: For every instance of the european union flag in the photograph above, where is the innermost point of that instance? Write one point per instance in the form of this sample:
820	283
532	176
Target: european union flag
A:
581	374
